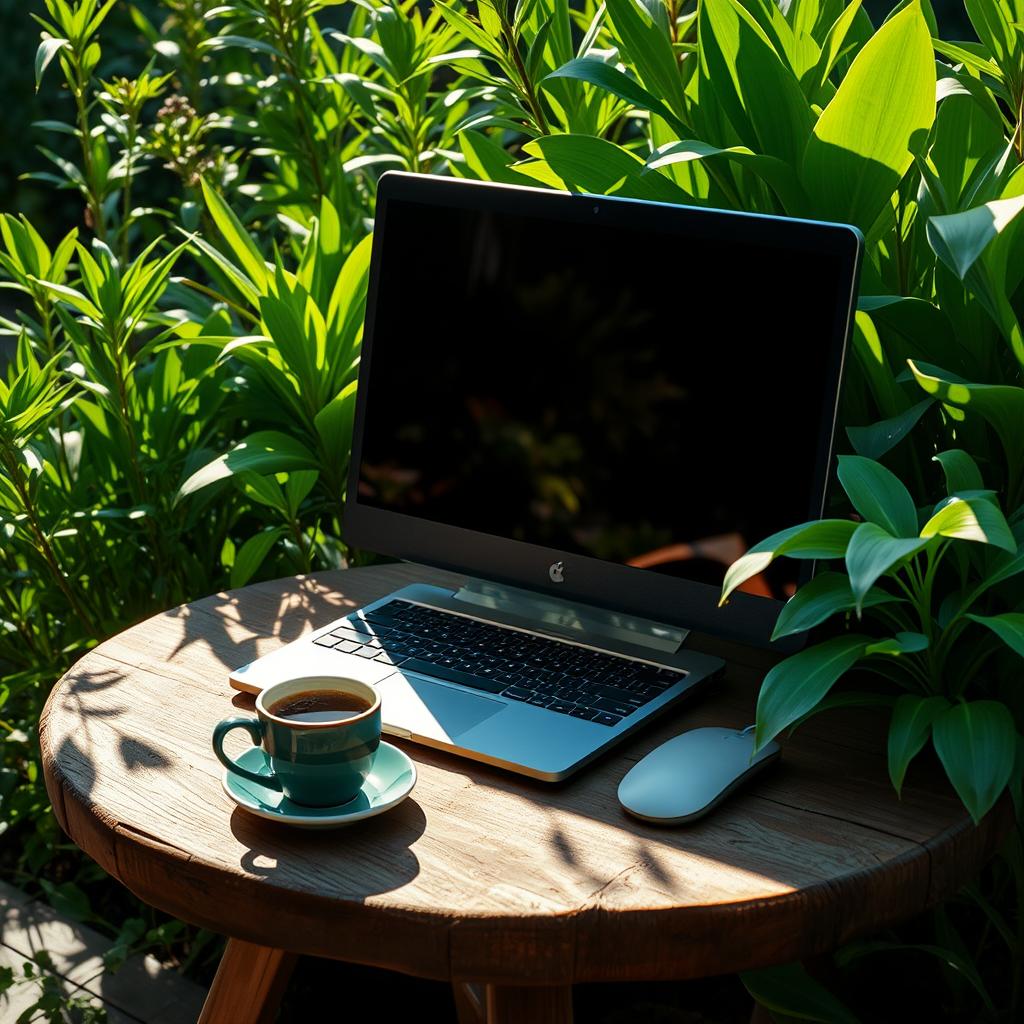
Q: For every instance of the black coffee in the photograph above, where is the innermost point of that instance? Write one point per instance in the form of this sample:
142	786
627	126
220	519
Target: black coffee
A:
320	706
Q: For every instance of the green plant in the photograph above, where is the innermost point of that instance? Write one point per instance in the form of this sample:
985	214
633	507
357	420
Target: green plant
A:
300	378
937	583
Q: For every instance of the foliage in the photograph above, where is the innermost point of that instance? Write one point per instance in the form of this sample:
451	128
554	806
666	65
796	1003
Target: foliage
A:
182	366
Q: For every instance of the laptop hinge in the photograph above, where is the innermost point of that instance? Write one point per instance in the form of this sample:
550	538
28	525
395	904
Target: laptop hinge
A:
572	619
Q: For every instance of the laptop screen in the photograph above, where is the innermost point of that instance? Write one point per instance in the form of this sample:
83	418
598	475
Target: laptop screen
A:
635	395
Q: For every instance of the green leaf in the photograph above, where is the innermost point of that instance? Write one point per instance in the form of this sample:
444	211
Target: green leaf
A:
300	483
611	79
759	93
878	495
872	553
590	164
901	643
67	899
1001	405
961	471
1009	627
252	554
334	425
911	725
794	686
959	239
240	42
827	594
788	989
48	49
266	451
236	236
263	489
821	538
649	50
775	173
976	519
864	141
875	440
976	743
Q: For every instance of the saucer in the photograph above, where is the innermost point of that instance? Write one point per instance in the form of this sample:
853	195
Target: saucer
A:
390	781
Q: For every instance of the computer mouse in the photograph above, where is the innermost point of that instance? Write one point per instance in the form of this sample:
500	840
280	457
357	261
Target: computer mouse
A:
691	773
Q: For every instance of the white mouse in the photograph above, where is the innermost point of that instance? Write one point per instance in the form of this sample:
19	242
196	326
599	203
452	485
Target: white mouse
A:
691	773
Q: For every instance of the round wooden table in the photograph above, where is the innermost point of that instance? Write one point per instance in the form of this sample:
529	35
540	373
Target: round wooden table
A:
511	889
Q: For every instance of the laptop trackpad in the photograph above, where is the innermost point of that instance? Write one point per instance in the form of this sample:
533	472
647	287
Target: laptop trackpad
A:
431	709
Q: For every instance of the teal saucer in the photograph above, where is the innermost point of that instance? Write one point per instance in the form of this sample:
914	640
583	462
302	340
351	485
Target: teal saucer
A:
390	781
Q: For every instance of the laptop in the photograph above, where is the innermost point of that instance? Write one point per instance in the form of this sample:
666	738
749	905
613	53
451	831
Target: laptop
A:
590	406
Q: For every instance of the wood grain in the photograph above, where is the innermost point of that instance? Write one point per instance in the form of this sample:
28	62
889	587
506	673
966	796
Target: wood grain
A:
249	984
529	1005
483	875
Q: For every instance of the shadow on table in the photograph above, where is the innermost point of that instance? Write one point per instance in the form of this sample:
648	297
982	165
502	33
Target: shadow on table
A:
308	858
232	628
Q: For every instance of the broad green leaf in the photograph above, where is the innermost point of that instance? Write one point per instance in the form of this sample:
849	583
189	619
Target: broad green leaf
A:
611	79
649	50
872	553
791	991
976	743
901	643
300	483
835	42
794	686
590	164
236	236
757	90
864	141
266	451
959	239
961	471
252	554
773	172
878	495
1009	627
334	425
1002	405
974	519
875	440
827	594
909	730
821	538
263	489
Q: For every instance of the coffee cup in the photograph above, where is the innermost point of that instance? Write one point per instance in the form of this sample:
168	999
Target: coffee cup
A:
320	735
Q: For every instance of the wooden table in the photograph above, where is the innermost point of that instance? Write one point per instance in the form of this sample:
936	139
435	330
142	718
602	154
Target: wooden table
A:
481	876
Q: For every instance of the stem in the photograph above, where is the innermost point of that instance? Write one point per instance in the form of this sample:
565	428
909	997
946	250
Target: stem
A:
531	97
95	204
43	545
126	190
302	102
139	487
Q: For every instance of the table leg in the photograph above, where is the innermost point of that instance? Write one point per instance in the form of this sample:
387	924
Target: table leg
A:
469	1002
508	1004
248	986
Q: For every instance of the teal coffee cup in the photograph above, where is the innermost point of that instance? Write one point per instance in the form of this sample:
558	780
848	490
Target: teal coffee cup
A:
320	735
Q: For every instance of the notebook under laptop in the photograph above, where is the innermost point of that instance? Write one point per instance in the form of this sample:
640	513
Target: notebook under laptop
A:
591	406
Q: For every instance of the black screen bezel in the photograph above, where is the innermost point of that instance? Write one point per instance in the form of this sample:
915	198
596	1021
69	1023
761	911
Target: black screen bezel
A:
747	619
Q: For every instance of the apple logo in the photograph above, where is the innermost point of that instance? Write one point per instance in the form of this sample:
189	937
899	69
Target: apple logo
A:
556	572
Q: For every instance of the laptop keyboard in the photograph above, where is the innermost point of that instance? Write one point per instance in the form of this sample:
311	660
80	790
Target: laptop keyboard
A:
570	680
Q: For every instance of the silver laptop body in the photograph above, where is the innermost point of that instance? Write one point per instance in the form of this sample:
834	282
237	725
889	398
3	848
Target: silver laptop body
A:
483	726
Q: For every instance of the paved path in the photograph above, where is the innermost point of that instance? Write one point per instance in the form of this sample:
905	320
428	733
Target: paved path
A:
141	992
